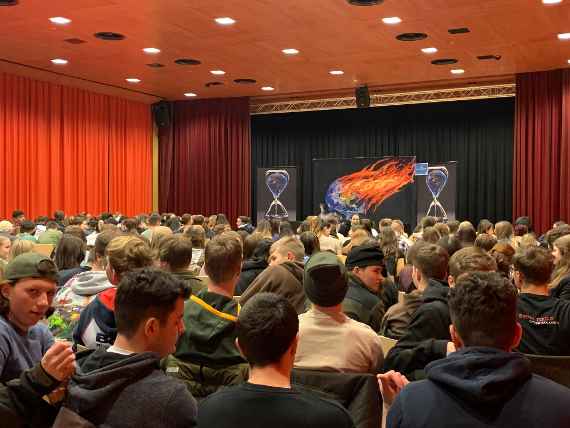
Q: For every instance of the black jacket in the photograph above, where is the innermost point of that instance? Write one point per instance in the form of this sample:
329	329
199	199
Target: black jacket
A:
427	335
249	271
562	290
481	387
359	301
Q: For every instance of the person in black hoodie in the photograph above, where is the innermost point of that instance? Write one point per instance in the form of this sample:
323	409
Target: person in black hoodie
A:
124	385
254	263
545	320
483	384
366	264
427	337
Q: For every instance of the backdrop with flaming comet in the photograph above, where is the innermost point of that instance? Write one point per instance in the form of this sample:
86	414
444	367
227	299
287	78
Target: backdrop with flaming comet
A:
365	190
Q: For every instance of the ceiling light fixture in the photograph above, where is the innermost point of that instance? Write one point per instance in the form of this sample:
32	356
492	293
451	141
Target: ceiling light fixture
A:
290	51
564	36
457	71
60	20
151	51
391	20
226	20
190	94
59	61
267	88
218	72
551	1
429	50
133	80
336	72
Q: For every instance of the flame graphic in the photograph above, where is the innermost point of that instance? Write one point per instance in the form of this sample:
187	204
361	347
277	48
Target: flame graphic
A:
377	182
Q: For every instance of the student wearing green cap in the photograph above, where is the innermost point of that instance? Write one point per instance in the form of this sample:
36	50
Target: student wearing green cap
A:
26	293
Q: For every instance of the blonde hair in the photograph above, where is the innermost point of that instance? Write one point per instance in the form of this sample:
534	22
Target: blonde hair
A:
289	244
126	253
562	268
20	246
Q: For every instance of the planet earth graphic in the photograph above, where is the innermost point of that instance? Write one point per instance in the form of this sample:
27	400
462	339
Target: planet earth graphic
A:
344	205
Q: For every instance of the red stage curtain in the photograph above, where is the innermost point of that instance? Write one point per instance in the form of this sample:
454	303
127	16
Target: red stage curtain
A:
70	149
205	158
541	182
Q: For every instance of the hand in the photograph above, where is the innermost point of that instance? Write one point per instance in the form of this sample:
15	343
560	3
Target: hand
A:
450	348
390	385
59	361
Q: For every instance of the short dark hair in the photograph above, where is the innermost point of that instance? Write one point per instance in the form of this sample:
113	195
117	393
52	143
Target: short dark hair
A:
197	220
536	264
244	219
266	327
453	226
186	219
17	213
154	219
483	309
450	243
485	241
470	259
250	243
222	258
51	225
27	226
484	226
197	235
146	293
130	224
59	215
428	222
466	234
70	252
430	259
311	243
176	250
430	234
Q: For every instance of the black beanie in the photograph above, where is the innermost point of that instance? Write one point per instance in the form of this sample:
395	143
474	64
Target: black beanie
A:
365	255
325	279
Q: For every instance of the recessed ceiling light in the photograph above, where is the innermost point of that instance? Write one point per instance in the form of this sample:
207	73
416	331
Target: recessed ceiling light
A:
226	20
290	51
336	72
429	50
564	36
457	71
551	1
133	80
59	61
569	61
267	88
391	20
60	20
151	50
190	94
218	72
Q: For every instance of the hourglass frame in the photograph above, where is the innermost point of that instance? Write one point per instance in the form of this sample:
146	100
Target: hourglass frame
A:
279	210
435	204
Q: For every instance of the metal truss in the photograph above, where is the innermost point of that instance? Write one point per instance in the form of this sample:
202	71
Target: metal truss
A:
393	99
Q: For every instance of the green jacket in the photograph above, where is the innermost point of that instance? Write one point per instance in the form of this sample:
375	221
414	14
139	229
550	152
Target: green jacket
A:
50	236
206	355
27	237
192	280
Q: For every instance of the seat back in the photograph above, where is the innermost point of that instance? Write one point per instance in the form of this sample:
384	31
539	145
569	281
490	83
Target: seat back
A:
357	392
555	368
44	249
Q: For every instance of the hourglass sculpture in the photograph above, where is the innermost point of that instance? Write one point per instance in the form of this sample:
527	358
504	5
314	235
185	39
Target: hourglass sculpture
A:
276	181
436	180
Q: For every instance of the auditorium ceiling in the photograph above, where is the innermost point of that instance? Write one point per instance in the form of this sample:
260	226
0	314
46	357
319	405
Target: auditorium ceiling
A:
330	35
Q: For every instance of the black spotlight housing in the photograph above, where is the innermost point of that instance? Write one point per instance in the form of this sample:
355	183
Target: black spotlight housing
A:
187	61
444	61
8	2
411	37
365	2
109	35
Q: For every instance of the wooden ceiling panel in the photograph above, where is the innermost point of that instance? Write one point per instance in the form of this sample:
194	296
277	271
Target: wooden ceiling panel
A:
329	33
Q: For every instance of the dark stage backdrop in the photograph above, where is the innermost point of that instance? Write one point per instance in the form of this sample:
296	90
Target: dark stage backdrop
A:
476	134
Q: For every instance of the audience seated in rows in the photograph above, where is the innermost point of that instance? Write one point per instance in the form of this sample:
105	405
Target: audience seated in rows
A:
175	256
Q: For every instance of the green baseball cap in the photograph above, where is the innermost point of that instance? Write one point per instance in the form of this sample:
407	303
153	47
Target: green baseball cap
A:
30	265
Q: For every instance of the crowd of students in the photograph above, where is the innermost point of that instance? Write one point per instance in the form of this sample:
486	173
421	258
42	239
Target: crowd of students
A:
167	321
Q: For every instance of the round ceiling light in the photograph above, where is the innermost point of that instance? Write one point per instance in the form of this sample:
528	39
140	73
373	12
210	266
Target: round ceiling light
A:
190	94
133	80
60	20
59	61
151	51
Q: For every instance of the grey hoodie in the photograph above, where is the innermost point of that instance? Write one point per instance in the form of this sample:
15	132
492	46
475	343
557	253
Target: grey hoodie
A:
115	390
90	283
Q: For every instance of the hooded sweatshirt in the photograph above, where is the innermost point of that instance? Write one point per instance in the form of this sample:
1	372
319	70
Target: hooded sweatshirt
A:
96	327
72	298
285	279
359	302
481	387
427	335
249	271
115	390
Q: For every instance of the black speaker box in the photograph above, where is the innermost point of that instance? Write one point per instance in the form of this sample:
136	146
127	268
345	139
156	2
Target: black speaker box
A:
362	96
161	113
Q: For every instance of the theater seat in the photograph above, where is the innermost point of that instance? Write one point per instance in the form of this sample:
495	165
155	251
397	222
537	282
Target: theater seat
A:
44	249
555	368
358	393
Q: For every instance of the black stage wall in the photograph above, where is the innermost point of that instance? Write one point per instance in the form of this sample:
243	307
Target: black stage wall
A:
477	134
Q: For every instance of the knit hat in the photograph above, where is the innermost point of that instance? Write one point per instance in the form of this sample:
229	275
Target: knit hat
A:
30	265
365	255
325	279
